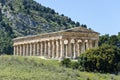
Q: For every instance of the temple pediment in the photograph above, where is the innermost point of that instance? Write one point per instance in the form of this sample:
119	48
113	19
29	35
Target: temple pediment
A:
80	29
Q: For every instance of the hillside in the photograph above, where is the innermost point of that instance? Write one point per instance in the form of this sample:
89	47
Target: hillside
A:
32	68
27	17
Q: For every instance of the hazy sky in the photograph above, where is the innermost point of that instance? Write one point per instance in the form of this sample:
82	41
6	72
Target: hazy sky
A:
102	16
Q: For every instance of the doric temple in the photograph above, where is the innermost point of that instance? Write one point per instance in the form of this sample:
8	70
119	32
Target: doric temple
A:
68	43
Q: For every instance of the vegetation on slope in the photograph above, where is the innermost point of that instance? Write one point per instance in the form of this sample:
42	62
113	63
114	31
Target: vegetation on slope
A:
32	68
27	17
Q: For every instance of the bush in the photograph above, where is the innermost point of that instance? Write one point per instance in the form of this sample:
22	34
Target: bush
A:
74	65
102	59
66	62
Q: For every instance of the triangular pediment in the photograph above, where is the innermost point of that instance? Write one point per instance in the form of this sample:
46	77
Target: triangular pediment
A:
80	29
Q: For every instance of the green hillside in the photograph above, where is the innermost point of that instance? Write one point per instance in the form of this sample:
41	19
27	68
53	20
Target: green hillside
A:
32	68
27	17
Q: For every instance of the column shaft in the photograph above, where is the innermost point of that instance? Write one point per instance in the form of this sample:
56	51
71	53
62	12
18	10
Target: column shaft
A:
69	48
96	43
74	51
57	49
49	50
61	48
41	48
83	47
31	49
38	48
27	50
14	50
23	49
45	48
53	49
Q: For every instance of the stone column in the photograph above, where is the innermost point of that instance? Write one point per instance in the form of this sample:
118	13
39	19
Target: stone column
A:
74	54
90	44
61	48
35	49
27	50
31	49
45	48
66	48
53	49
17	50
38	48
23	49
96	43
69	48
86	44
14	50
83	46
57	49
41	51
49	50
20	50
78	49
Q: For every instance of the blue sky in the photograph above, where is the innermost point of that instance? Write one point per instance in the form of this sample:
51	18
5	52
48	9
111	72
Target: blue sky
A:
102	16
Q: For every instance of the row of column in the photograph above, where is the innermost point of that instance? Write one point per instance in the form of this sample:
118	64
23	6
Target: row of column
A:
49	49
55	48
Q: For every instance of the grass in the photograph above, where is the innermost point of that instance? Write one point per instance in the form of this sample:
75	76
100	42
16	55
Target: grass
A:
32	68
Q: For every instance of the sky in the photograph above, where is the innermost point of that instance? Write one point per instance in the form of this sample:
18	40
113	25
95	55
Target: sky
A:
102	16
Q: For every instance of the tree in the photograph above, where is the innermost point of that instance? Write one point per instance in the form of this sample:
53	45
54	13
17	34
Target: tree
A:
105	58
103	39
0	15
77	24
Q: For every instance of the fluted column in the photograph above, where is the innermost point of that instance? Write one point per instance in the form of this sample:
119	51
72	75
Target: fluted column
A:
74	54
34	51
90	44
45	48
27	50
17	47
61	48
69	48
41	51
38	48
78	48
20	50
96	43
66	50
86	45
53	49
31	49
49	50
14	50
57	49
23	49
83	46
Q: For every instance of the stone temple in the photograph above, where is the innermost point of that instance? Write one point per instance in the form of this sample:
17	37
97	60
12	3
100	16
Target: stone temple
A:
68	43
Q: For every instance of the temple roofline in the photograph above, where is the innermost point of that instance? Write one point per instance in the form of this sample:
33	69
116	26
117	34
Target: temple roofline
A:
67	30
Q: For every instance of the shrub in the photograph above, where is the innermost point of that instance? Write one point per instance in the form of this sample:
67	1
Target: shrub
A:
66	62
102	59
74	65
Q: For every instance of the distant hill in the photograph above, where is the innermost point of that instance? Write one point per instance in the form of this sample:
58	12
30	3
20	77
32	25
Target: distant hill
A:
27	17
